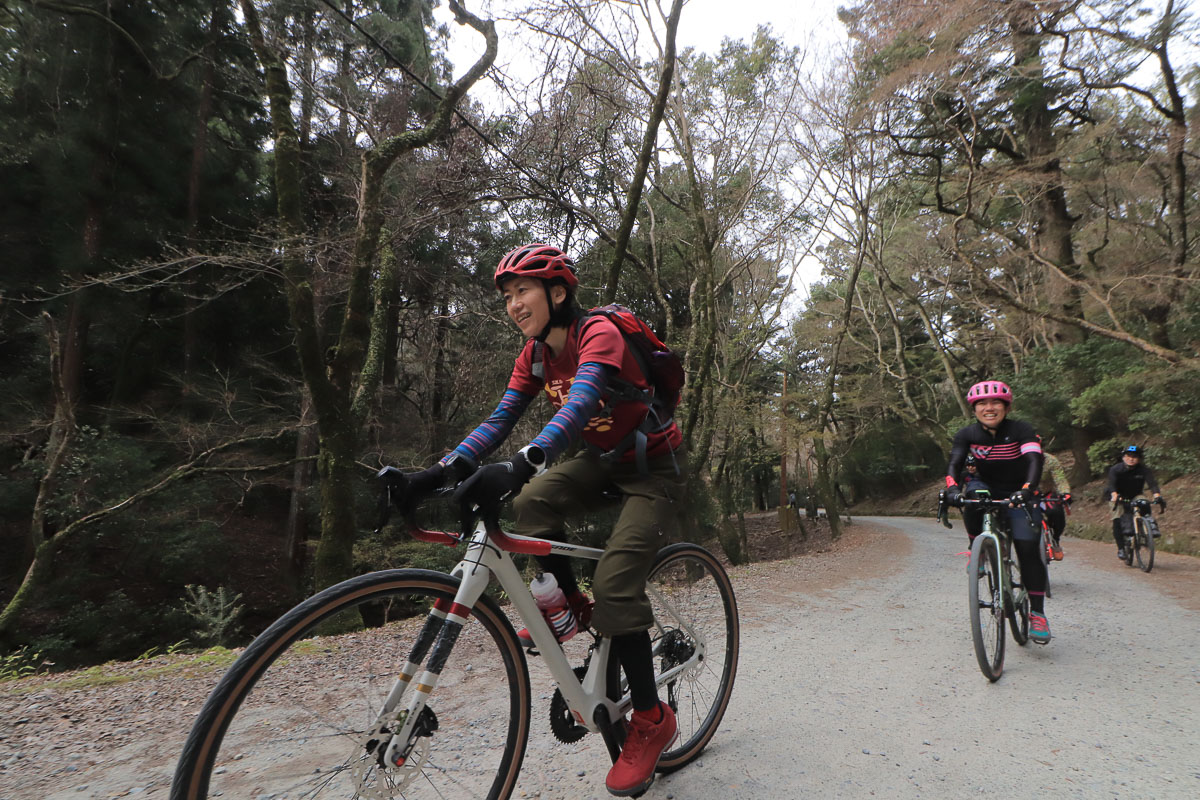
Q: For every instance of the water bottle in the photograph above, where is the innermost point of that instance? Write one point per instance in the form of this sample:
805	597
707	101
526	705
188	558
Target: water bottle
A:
553	603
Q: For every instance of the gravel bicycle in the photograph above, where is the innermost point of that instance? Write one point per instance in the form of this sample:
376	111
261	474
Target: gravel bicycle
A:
1140	542
994	591
429	694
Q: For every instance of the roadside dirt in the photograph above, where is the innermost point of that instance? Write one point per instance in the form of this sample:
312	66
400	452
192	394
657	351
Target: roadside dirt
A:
857	679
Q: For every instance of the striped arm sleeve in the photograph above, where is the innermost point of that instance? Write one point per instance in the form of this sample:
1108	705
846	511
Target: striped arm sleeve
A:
495	429
591	379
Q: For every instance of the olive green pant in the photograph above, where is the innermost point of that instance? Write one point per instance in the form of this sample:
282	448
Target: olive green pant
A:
650	505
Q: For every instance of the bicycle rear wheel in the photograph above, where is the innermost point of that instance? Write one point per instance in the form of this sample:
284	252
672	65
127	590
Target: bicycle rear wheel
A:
1144	547
1017	608
1044	550
296	715
985	605
694	610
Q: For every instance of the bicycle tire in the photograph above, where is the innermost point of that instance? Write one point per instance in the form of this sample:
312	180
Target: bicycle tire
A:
293	716
694	604
1044	544
1145	547
1017	607
985	607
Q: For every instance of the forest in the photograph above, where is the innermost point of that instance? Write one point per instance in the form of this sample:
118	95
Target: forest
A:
249	250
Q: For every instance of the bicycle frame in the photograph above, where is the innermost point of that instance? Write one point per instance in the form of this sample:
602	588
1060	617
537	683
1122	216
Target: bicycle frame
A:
487	555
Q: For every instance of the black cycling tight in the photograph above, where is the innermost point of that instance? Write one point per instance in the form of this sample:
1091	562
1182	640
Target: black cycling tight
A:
1033	572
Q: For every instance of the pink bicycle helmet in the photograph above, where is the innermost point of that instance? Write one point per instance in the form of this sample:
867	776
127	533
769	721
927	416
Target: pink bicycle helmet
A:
987	390
543	261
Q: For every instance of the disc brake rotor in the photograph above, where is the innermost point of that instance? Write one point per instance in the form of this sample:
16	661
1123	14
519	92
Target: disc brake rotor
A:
374	778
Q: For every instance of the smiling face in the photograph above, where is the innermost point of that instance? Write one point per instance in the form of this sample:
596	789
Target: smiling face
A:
525	302
990	412
1130	459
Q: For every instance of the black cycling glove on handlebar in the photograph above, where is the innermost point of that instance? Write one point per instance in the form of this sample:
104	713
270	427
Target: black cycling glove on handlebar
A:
1020	497
424	483
491	485
954	496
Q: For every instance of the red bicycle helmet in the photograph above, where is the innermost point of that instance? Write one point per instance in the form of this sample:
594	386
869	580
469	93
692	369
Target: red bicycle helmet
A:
988	390
543	261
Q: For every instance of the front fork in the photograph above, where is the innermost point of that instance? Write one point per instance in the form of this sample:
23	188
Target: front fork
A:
435	641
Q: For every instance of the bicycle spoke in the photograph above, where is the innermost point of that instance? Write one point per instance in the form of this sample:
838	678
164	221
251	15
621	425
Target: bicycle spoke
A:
986	607
286	740
696	636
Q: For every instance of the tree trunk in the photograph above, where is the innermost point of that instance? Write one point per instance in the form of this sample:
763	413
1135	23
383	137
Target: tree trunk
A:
216	27
295	549
1054	226
39	572
341	385
633	195
825	492
58	444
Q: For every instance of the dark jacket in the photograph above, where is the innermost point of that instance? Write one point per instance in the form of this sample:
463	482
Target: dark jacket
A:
1128	481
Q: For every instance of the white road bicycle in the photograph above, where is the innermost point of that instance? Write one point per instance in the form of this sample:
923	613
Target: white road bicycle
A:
428	694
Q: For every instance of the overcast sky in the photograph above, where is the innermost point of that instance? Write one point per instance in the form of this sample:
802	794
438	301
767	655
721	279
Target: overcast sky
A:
702	25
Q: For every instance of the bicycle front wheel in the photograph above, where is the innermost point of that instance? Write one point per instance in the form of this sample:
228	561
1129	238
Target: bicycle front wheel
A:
298	714
985	604
1144	543
696	625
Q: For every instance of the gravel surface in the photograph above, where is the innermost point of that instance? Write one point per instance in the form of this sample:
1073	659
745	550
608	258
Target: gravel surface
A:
857	679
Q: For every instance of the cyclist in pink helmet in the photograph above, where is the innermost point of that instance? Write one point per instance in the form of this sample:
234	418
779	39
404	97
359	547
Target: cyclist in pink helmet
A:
987	390
1008	455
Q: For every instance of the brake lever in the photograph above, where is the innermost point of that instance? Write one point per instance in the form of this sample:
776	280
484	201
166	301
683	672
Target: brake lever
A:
394	488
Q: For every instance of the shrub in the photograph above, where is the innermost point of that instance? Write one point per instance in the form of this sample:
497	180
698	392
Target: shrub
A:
215	614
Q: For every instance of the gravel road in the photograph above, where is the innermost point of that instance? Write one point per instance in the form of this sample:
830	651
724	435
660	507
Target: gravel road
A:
857	679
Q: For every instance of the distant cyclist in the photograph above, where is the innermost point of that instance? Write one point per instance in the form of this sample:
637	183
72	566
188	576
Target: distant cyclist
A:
1008	456
970	470
1055	501
1126	481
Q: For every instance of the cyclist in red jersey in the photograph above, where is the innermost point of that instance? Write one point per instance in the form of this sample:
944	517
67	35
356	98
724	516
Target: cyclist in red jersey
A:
1008	455
586	370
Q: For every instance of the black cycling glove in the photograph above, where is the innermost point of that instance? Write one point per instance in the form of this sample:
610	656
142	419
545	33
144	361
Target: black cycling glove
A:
492	484
424	483
1020	497
954	495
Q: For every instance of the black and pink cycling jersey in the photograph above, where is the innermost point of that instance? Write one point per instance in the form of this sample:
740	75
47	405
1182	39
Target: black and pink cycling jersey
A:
1008	458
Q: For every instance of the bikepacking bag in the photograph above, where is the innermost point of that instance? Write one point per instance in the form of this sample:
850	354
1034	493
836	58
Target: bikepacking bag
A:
661	368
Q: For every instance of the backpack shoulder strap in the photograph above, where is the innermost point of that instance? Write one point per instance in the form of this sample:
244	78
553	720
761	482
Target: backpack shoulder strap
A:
538	364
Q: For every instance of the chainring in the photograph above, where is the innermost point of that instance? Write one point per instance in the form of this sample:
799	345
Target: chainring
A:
562	721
